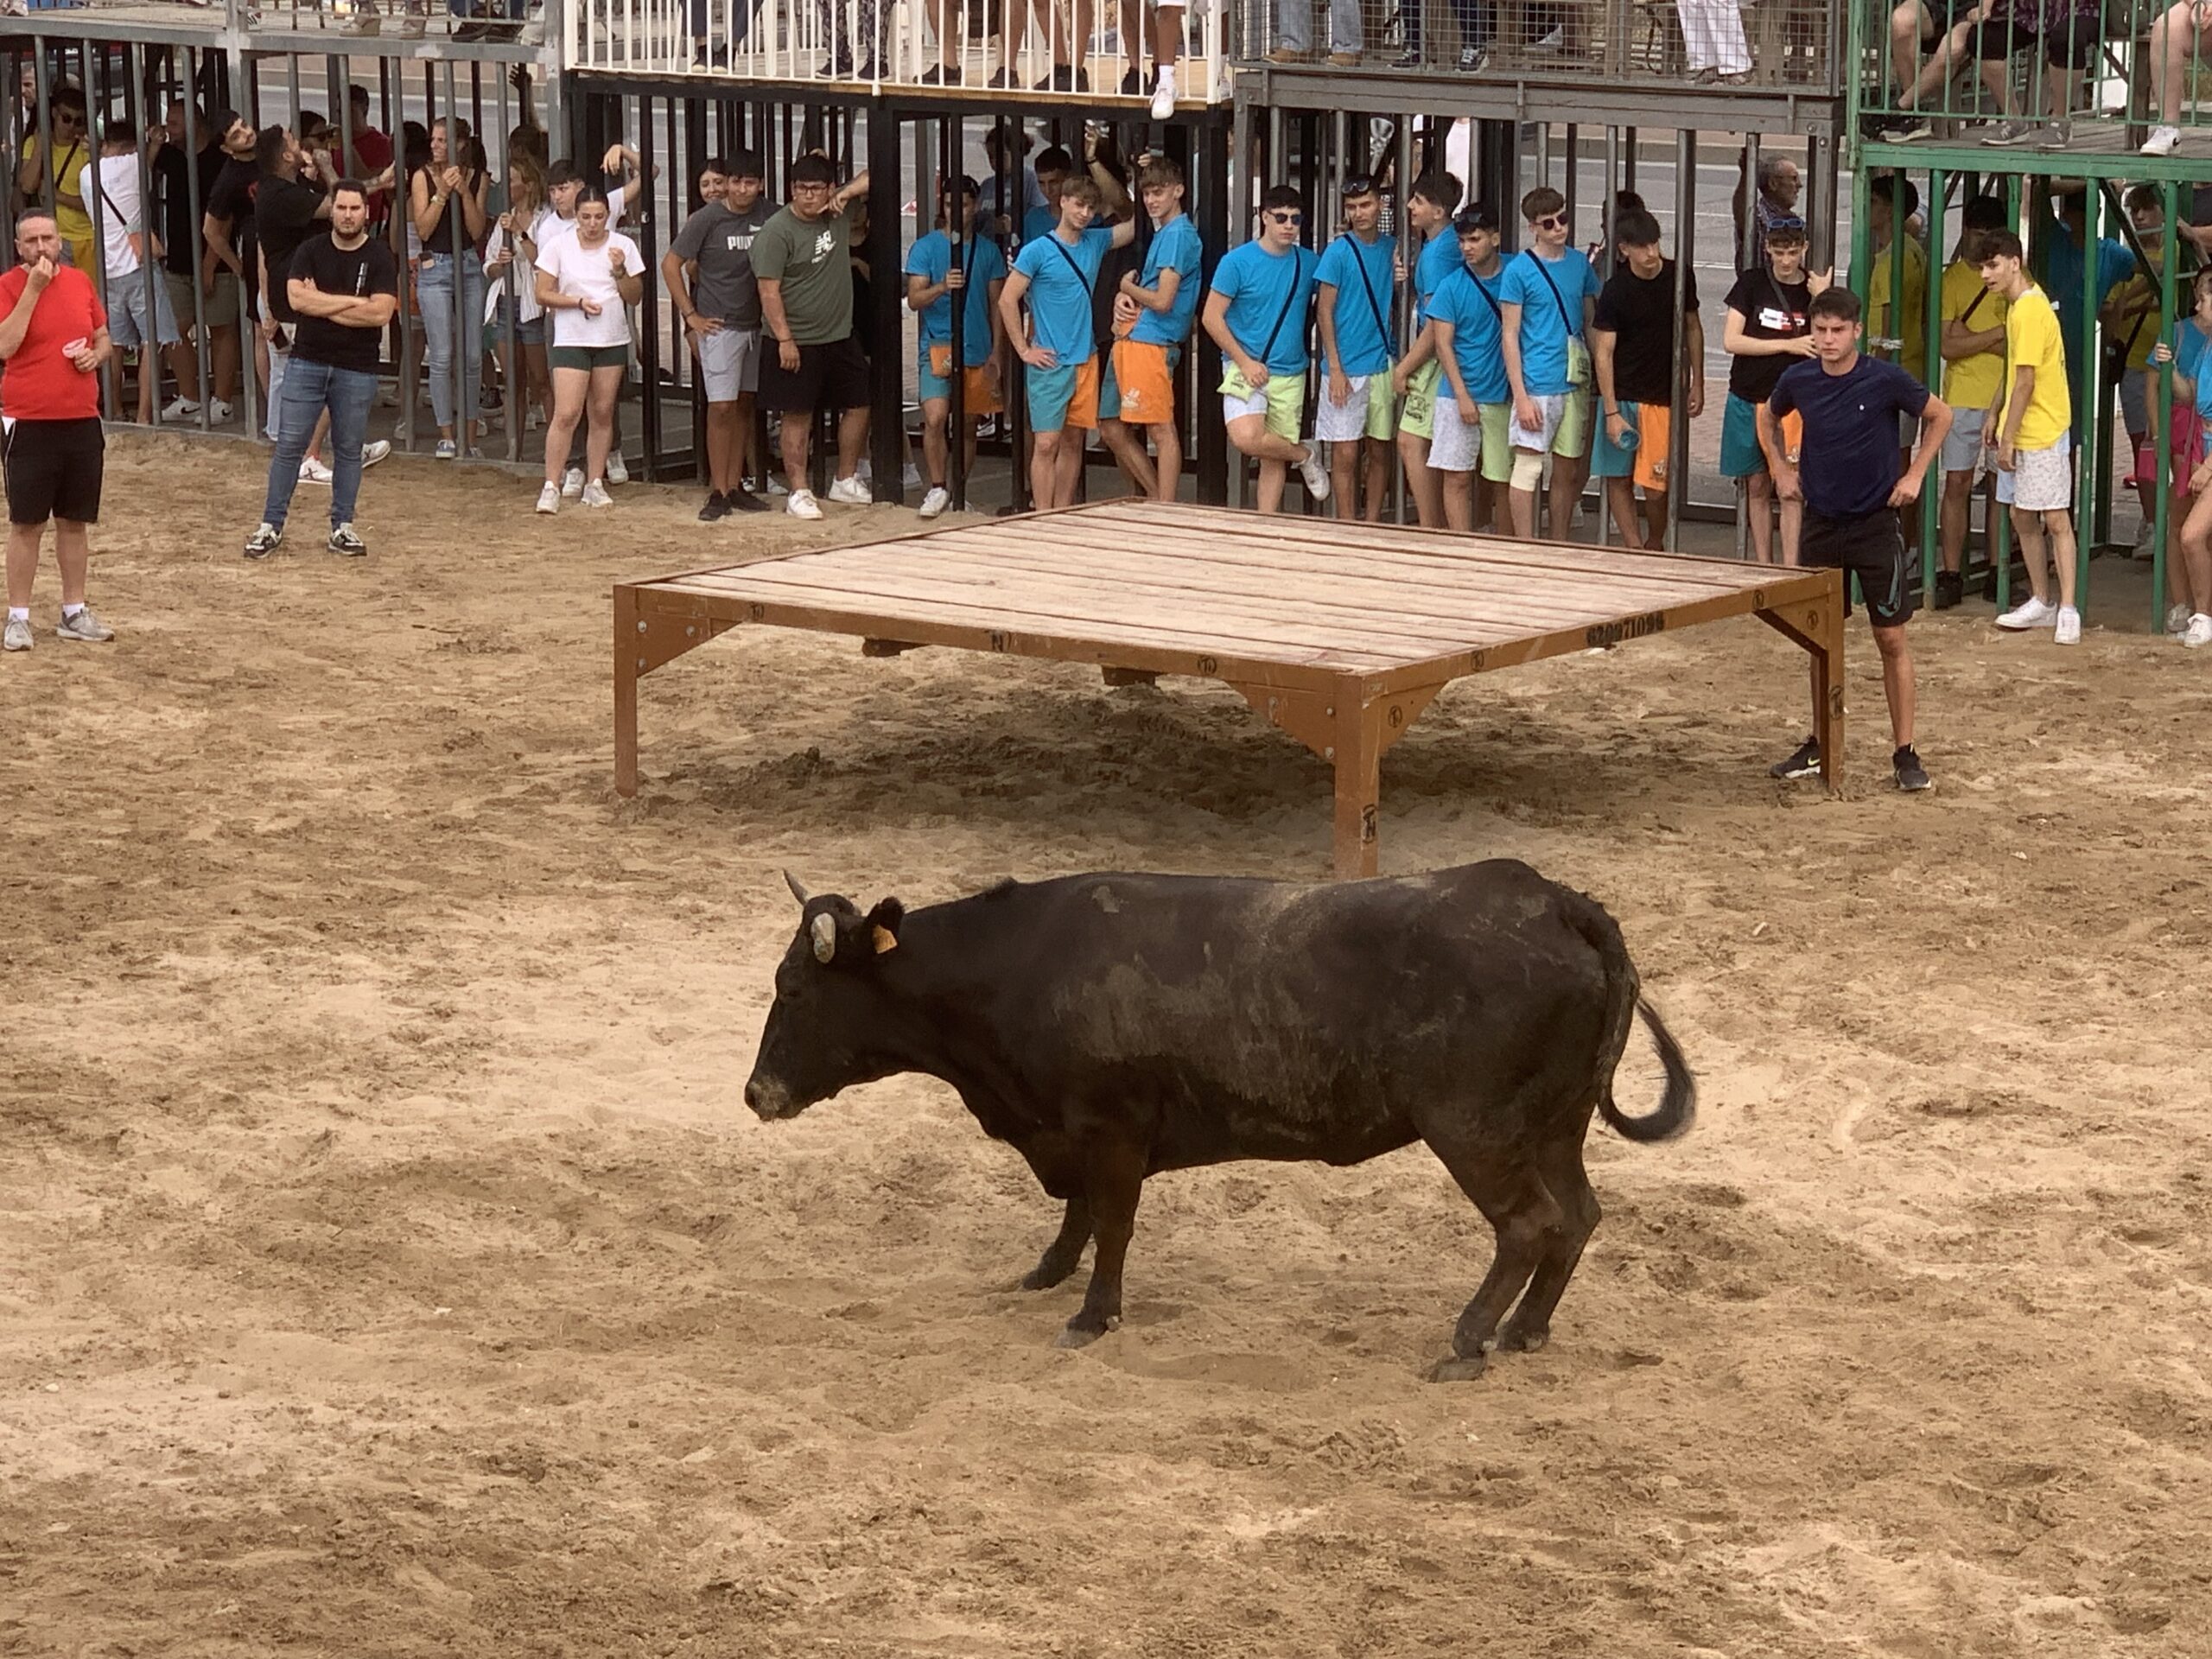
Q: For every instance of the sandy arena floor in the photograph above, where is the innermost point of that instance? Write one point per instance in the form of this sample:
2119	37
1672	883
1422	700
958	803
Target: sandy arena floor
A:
388	1264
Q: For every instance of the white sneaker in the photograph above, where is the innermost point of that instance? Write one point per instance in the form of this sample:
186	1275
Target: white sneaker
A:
1315	474
2199	632
801	504
373	453
866	470
595	495
572	482
313	471
2070	626
2030	612
2163	141
178	408
1163	96
912	477
2177	618
776	486
616	471
218	410
851	492
19	634
548	499
935	501
446	449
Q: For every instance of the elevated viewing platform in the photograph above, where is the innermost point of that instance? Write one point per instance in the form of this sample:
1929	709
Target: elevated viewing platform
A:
2123	90
503	31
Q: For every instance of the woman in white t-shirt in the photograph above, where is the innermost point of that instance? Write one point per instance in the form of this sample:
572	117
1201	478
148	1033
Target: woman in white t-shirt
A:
586	283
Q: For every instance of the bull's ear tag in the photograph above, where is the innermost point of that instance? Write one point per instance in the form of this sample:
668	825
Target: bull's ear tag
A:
825	937
885	940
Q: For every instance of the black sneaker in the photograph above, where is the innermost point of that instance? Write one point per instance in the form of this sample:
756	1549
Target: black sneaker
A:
1912	775
1410	58
1803	764
1950	590
742	501
942	75
345	543
717	508
1133	83
1989	583
1473	60
265	540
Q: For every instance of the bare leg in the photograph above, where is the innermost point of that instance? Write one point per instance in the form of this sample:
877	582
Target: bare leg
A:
73	552
2059	527
23	541
1957	513
1759	502
1343	476
936	448
1896	682
2027	530
852	439
723	439
599	436
1566	491
223	362
1378	476
1421	481
1044	469
1459	501
1792	526
570	387
1522	504
1070	465
1167	463
1655	521
1620	495
793	439
1128	450
2196	561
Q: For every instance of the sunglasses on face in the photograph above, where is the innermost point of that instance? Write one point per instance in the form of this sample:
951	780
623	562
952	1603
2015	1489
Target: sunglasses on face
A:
1552	222
1288	218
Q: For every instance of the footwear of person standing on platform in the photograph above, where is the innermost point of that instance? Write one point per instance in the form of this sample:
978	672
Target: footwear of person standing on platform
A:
1633	350
52	342
933	277
342	287
1468	436
1767	328
1046	306
1258	315
1548	298
1429	207
1152	322
810	360
1354	289
2029	432
719	305
1853	484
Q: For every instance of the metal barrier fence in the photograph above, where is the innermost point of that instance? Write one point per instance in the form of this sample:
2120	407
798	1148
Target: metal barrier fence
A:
1104	48
2086	75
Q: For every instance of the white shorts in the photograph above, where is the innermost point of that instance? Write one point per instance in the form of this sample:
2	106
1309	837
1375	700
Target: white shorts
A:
1962	450
729	363
1454	446
1550	411
2042	481
1347	423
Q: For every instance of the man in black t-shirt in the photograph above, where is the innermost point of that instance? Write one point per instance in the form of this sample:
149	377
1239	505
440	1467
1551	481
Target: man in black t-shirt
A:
1767	330
344	288
217	292
227	225
1633	350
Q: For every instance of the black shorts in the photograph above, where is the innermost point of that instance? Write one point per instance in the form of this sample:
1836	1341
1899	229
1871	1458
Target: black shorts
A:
2069	45
54	470
834	376
1870	547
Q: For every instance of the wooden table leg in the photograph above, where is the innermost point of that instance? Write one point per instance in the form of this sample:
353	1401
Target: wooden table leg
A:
627	659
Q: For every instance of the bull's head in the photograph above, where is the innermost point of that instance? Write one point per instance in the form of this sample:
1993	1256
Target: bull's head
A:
824	1030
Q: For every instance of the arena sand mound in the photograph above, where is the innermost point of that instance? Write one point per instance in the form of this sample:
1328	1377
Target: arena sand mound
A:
392	1268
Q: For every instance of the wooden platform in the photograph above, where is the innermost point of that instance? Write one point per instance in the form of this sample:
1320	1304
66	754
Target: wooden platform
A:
1339	634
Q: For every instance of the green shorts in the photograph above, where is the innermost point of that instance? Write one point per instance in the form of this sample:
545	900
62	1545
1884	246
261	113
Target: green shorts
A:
589	356
1283	400
1420	417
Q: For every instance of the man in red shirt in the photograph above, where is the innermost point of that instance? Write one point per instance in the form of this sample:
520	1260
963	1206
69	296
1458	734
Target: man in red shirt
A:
52	341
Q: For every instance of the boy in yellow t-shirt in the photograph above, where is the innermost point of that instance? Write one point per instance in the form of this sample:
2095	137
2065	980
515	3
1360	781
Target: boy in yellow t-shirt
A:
1973	347
1907	323
2030	431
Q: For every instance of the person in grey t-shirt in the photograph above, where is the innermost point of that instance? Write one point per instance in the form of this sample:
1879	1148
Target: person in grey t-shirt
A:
719	299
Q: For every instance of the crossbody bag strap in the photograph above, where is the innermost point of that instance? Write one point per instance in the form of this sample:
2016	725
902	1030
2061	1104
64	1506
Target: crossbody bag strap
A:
1374	306
1062	248
1558	298
1289	299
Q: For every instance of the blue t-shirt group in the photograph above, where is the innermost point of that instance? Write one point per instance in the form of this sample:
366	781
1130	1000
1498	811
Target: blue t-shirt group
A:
931	259
1267	295
1061	279
1174	247
1472	306
1550	293
1361	274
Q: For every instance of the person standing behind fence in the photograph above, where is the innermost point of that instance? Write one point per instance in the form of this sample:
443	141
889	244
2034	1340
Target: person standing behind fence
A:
1852	483
1473	415
1973	347
932	280
40	164
138	320
1356	292
1153	314
53	341
1632	339
174	166
2030	433
1768	325
1429	207
342	289
446	202
1548	295
588	280
720	310
802	259
1262	290
1057	276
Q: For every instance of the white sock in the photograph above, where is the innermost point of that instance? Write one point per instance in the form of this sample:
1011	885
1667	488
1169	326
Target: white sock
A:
1166	74
68	610
19	613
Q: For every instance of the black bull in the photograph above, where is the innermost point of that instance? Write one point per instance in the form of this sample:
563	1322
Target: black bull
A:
1111	1026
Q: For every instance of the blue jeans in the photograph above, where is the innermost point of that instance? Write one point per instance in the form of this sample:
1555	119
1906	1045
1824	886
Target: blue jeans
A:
433	291
1295	28
1476	18
309	389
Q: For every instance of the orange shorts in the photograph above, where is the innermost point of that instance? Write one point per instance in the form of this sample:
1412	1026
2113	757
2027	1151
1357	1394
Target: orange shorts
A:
1655	424
1148	390
976	393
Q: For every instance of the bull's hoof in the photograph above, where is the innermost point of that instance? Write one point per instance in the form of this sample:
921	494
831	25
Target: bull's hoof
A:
1524	1340
1081	1333
1455	1369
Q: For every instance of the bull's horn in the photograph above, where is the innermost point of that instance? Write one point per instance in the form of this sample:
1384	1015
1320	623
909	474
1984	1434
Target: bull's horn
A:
825	937
797	892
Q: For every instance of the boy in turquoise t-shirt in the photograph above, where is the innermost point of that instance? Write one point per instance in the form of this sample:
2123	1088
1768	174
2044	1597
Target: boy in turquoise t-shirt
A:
1258	315
932	279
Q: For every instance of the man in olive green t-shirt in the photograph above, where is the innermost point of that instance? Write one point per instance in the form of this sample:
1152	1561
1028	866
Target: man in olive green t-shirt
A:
803	257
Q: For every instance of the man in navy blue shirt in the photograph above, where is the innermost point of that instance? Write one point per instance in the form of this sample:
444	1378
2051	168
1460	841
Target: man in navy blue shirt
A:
1850	403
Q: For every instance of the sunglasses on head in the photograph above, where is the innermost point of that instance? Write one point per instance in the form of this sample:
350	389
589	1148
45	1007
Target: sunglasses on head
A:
1360	185
1552	222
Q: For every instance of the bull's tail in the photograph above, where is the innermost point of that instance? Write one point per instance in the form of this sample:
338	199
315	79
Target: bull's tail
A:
1625	1000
